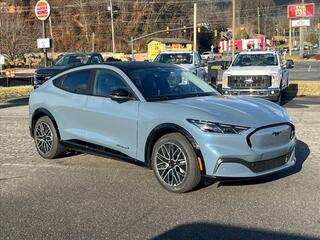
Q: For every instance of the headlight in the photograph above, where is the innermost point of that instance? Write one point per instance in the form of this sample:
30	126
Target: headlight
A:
275	78
35	82
217	127
225	80
292	133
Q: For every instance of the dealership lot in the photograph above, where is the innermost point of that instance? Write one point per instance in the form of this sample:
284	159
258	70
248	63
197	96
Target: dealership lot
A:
90	197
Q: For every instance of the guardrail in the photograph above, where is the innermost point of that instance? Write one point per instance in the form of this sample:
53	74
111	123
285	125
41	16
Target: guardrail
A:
16	81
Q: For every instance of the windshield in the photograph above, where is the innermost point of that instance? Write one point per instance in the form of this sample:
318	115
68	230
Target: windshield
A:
169	83
72	60
268	59
175	58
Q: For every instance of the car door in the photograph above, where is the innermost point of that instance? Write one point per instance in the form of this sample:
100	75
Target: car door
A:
111	124
285	76
198	66
69	103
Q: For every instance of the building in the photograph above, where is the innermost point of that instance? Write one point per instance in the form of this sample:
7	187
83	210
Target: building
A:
156	45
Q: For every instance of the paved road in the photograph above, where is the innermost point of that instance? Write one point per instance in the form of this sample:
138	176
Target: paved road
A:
90	197
305	71
301	71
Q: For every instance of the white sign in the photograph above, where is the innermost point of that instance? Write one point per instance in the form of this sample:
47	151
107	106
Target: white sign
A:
2	60
43	43
301	23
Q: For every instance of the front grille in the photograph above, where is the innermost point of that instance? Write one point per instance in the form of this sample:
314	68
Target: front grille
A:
266	165
41	78
253	82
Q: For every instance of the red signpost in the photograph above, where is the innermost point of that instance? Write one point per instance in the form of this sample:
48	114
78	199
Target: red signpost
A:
301	10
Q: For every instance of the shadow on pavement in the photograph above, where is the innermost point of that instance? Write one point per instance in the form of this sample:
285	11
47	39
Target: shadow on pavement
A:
15	102
302	153
210	231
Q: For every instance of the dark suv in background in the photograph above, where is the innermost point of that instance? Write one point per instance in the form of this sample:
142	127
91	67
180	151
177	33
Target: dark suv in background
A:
65	62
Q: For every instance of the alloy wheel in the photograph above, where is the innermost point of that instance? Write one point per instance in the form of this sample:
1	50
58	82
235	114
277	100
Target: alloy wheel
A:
171	164
44	138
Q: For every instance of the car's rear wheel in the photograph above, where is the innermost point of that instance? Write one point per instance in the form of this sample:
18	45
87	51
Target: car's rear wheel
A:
175	163
46	139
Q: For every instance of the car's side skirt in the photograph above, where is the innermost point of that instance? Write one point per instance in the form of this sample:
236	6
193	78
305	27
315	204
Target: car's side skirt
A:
94	149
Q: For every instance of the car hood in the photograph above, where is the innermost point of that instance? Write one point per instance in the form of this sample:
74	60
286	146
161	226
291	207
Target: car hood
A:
242	111
253	70
187	66
52	70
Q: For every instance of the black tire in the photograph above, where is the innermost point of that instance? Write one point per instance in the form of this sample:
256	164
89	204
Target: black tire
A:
279	100
165	166
47	145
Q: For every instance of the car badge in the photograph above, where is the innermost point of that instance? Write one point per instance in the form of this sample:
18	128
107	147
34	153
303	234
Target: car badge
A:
276	133
248	81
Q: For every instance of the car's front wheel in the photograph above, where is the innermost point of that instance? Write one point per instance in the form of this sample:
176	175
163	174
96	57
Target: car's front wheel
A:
46	139
175	163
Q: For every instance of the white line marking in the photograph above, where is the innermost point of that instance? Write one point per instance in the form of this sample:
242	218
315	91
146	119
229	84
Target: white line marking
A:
309	68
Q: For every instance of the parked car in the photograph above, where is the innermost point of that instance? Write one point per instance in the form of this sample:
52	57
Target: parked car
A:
206	55
289	64
186	59
64	62
164	117
258	74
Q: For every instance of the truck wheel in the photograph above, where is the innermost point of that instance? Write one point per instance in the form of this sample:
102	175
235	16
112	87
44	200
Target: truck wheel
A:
279	100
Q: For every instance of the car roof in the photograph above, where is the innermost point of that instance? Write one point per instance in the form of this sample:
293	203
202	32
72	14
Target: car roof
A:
128	66
175	52
257	52
80	53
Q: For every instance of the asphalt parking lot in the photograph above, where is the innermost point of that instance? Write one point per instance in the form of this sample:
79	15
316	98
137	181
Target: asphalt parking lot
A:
90	197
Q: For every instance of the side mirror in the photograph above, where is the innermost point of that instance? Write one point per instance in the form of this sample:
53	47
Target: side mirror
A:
203	63
121	95
290	63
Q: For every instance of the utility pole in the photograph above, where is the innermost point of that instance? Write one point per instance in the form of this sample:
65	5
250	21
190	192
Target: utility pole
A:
258	9
301	38
290	37
112	27
92	41
44	50
233	28
51	36
195	27
132	48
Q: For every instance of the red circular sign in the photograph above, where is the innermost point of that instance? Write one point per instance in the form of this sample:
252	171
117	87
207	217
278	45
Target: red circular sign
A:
42	10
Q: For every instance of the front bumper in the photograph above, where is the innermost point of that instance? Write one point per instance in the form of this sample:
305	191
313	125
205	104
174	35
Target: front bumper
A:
254	153
271	94
240	168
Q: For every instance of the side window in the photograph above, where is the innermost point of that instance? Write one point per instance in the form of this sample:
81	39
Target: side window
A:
76	82
196	58
96	59
106	81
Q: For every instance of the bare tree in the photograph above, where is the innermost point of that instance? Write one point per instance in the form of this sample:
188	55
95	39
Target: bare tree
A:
14	36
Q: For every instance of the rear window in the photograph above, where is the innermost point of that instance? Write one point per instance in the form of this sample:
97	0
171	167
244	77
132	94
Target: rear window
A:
75	82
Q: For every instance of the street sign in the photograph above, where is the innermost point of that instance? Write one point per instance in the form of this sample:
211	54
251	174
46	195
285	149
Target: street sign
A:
43	43
11	73
301	23
301	10
42	10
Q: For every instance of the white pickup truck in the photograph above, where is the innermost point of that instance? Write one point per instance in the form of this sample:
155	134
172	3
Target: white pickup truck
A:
186	59
256	73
